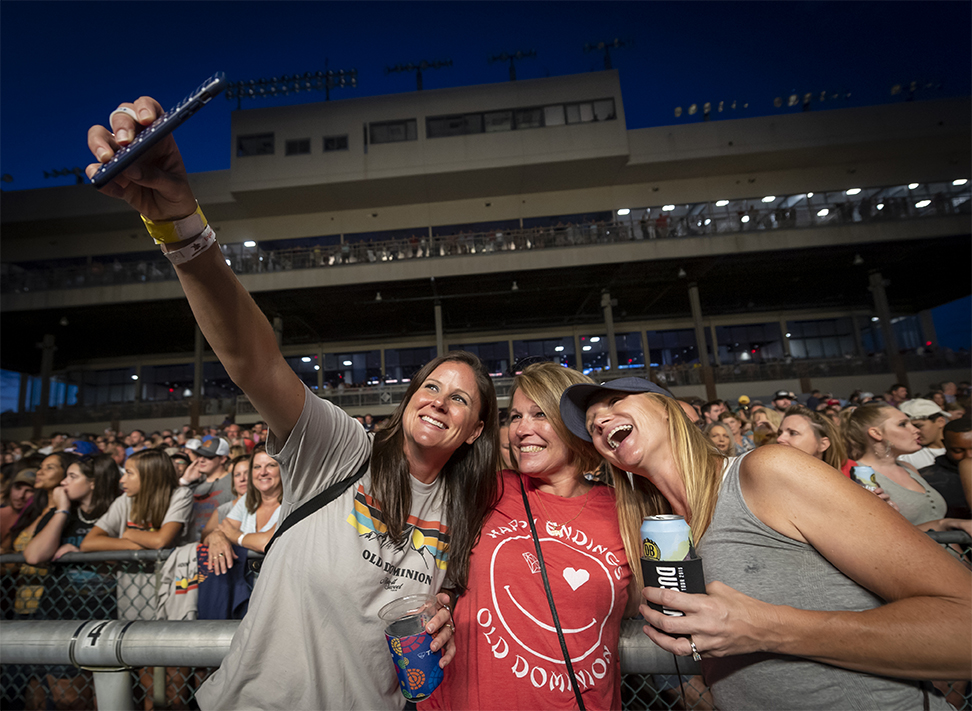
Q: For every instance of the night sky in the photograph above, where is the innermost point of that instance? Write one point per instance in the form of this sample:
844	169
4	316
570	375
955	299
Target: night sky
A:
66	65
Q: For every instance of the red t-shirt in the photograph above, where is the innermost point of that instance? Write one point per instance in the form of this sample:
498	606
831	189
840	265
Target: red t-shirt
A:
507	652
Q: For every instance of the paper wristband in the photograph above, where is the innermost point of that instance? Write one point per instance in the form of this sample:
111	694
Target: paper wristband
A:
180	256
165	232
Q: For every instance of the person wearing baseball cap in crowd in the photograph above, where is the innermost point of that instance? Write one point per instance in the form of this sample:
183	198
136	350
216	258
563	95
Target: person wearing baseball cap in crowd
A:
782	400
209	480
810	591
191	446
930	420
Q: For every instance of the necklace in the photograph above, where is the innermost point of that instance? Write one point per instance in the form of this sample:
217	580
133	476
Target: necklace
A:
81	516
558	529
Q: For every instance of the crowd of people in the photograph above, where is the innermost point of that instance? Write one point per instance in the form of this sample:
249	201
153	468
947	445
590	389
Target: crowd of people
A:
218	488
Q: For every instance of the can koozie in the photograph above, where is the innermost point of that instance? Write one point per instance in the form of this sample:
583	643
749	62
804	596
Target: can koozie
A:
683	575
416	664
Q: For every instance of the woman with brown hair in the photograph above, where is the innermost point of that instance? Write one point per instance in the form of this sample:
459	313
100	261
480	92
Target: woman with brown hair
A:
152	513
426	481
813	433
807	602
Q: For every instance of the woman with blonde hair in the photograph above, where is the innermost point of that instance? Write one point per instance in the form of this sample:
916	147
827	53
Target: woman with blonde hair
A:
584	558
877	434
809	603
813	433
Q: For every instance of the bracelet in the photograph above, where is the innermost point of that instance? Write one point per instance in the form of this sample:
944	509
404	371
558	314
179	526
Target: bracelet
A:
183	482
63	511
166	231
180	256
239	541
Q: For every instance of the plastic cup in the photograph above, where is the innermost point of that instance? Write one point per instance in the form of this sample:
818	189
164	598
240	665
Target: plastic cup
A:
416	664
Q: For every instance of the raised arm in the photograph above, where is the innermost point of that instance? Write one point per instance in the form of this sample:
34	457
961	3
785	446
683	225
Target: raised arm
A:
46	541
922	631
238	332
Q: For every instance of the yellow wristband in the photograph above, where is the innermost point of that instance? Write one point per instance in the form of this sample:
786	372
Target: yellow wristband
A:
164	232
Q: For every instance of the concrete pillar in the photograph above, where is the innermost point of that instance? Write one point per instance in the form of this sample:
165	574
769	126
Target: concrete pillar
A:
646	352
278	330
876	286
928	332
381	354
512	357
320	366
578	353
858	341
22	395
783	338
715	344
707	376
138	382
47	365
606	304
195	408
439	336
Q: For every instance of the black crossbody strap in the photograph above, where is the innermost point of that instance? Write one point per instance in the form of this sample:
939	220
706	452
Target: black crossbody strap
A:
550	600
318	502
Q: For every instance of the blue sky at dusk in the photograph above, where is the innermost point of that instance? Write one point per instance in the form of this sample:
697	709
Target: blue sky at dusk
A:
66	65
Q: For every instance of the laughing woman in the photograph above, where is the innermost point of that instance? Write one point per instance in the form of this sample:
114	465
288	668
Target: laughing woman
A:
807	606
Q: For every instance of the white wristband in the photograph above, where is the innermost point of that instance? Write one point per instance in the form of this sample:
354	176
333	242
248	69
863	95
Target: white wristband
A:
239	541
205	240
183	482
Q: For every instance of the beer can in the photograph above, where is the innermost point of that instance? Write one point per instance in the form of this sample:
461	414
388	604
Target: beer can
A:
666	537
864	476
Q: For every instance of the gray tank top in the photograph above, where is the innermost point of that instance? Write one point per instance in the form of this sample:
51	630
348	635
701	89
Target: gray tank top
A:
746	554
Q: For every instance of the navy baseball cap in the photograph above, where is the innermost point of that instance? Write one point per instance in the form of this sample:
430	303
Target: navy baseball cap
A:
574	401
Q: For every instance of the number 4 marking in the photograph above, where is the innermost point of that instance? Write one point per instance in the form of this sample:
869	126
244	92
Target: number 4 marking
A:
95	633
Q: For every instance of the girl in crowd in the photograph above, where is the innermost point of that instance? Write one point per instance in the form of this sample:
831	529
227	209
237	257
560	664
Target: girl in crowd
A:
574	515
48	478
878	434
721	436
813	433
427	479
253	519
17	494
766	425
83	496
152	513
743	443
239	469
807	603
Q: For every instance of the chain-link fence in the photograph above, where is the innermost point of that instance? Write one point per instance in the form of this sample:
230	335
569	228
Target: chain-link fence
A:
96	587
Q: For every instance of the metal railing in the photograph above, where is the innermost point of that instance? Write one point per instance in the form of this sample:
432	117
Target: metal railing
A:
795	211
89	653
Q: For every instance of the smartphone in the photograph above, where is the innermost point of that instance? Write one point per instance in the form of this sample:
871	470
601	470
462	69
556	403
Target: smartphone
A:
162	127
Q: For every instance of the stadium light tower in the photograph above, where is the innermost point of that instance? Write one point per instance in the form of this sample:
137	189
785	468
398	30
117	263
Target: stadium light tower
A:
519	54
606	46
296	83
417	68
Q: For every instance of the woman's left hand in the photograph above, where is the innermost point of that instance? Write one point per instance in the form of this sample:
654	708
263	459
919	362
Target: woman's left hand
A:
720	623
443	630
66	548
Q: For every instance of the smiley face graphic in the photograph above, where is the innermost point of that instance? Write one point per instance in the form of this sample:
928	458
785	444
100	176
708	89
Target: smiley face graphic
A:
579	583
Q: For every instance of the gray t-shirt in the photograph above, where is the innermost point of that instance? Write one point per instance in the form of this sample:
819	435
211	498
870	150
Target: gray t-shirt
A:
116	519
312	638
744	553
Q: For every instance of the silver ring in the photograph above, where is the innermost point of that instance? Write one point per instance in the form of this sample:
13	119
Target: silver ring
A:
123	110
695	652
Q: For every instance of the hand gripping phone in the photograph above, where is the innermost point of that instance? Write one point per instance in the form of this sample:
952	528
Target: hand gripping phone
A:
162	127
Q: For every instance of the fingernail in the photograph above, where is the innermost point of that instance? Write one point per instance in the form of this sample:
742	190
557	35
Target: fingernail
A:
144	114
123	135
104	154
